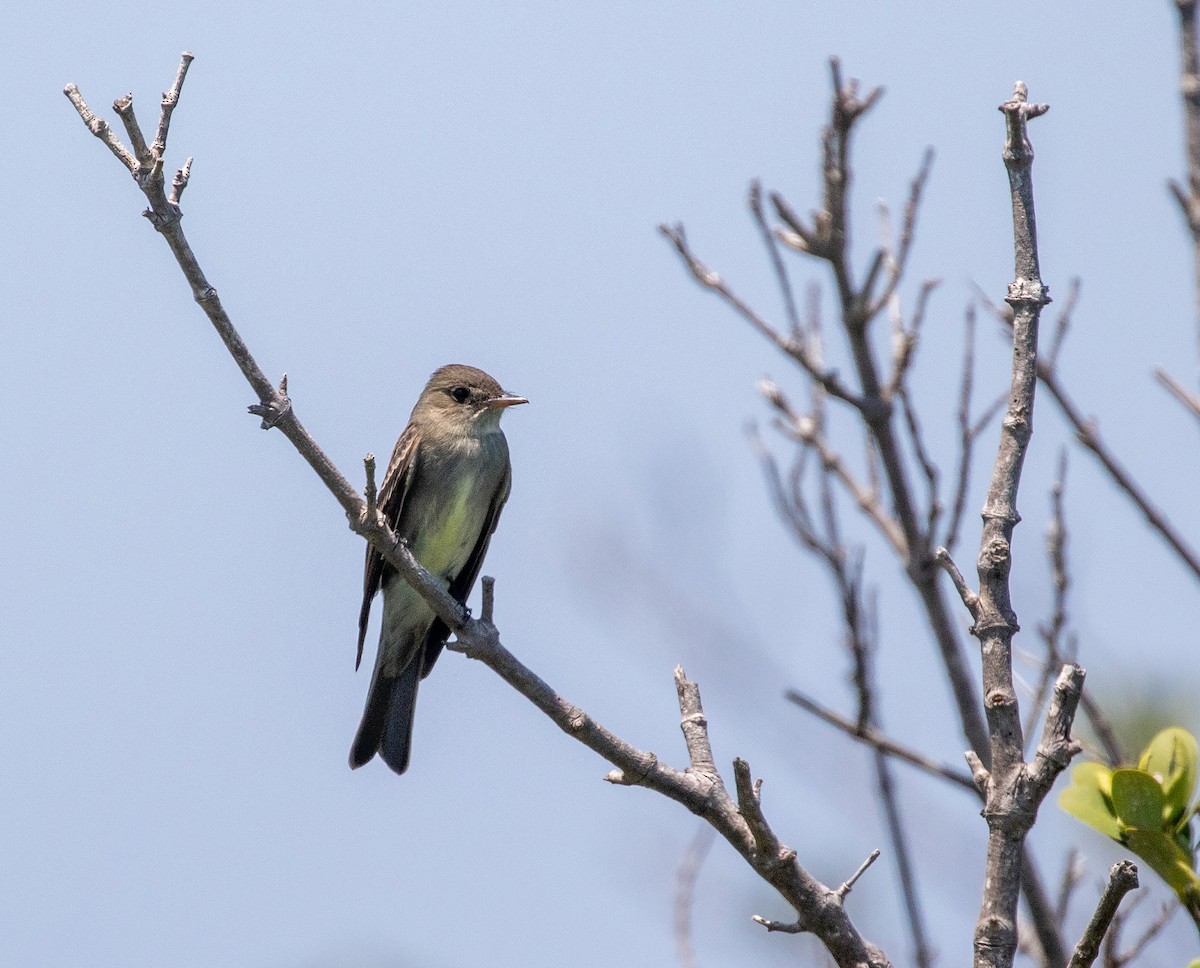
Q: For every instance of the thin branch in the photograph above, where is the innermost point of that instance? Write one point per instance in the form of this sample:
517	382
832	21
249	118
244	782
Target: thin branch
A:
848	884
1114	955
685	893
898	258
1062	323
1051	631
1122	878
1190	400
1113	754
806	431
1073	872
771	243
1087	433
169	100
880	742
712	280
966	439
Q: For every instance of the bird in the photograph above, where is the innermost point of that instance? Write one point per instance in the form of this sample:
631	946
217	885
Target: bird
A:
445	486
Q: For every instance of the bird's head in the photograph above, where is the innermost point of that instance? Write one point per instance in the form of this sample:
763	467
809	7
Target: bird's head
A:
461	399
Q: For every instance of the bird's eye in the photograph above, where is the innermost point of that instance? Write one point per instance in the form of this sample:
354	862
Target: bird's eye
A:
460	394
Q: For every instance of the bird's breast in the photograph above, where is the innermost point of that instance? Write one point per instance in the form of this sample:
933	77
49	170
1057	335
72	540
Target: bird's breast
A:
449	516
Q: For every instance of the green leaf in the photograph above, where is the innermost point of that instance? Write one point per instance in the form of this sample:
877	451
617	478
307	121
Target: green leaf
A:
1089	798
1172	758
1170	863
1138	800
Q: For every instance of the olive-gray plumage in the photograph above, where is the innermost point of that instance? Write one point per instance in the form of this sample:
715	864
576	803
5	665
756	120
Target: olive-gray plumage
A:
445	486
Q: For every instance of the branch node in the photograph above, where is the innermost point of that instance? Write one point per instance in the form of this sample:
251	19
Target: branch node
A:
274	410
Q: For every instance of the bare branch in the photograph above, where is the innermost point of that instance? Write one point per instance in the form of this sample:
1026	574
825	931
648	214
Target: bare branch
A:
848	885
1122	878
879	742
685	893
712	280
827	238
1051	631
1073	871
1088	434
1062	323
124	108
772	246
169	100
806	431
99	127
1114	955
1190	400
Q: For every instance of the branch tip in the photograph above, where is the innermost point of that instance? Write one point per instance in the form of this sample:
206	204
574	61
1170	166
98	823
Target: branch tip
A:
489	598
848	886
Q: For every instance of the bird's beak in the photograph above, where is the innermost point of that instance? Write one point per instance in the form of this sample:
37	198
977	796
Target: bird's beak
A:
506	400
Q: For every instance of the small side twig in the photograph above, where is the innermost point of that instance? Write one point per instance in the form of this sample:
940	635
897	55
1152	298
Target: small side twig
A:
848	884
1181	393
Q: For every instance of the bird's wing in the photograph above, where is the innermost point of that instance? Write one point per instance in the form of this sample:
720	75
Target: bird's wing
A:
464	581
397	485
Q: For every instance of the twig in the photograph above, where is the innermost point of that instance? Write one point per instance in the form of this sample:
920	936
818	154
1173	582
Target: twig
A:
1189	87
1073	871
1122	878
771	243
685	893
1051	631
1087	433
898	258
806	431
1190	400
880	742
848	885
712	280
1114	955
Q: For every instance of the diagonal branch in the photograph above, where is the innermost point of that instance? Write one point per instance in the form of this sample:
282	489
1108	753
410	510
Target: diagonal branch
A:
699	787
1088	434
1122	878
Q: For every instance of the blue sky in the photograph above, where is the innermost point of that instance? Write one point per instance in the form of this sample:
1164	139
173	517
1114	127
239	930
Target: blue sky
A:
380	189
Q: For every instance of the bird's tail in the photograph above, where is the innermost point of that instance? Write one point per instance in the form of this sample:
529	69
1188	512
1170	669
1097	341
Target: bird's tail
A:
387	722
